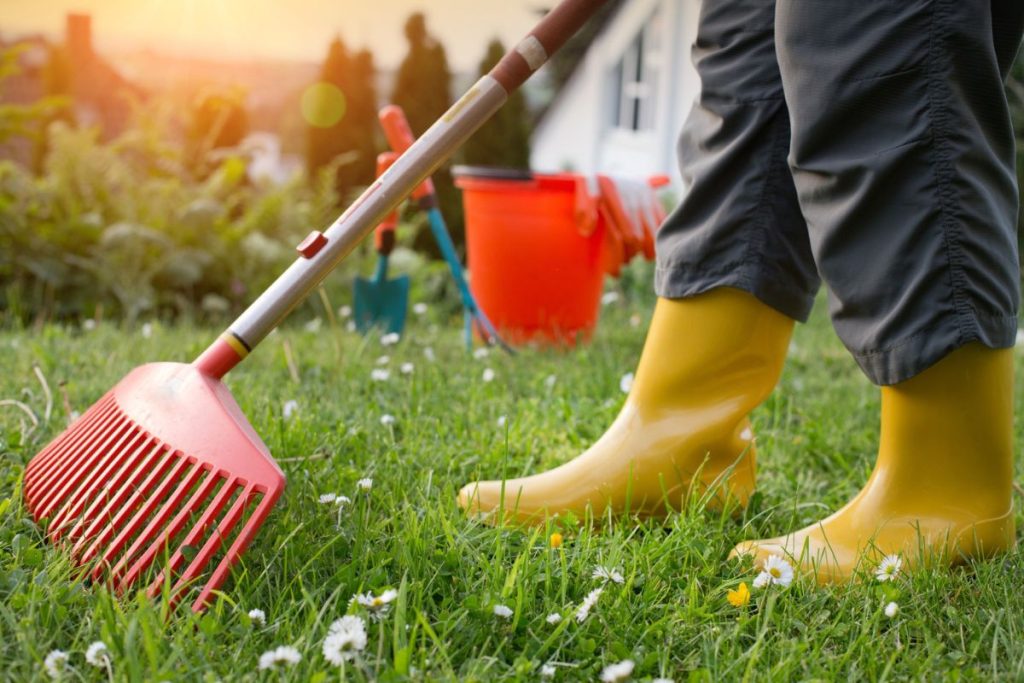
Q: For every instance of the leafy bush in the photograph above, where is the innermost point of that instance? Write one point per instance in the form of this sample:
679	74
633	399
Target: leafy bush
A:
124	228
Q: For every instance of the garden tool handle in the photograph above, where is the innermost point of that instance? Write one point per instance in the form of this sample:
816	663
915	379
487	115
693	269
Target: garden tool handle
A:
384	233
321	252
544	40
400	138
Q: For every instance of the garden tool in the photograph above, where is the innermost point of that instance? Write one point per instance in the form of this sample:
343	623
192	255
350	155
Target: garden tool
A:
400	137
381	303
163	478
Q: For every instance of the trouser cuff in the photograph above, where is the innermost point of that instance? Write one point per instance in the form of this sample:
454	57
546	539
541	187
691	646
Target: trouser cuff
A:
915	354
682	281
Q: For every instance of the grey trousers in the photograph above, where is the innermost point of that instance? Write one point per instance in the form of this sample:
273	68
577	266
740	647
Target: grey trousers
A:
865	143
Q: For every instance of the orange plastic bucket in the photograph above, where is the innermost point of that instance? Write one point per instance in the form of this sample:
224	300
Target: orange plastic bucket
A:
536	253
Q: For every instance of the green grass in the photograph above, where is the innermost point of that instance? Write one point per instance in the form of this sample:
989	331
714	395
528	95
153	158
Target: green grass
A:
817	436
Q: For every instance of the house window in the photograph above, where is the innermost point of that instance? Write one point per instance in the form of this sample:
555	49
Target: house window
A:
636	78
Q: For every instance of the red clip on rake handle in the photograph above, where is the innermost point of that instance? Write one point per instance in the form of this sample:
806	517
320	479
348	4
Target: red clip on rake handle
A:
322	252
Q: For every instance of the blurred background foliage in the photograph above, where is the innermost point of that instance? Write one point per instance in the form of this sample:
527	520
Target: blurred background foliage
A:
164	215
131	227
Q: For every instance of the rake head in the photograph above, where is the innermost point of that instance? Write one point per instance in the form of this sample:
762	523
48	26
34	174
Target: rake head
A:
160	480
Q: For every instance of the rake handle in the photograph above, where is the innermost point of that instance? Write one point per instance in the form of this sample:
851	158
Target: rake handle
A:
321	252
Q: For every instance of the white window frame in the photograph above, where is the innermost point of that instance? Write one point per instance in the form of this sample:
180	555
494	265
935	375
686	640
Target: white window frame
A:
635	77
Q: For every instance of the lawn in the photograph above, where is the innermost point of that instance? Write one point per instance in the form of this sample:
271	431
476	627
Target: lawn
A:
669	614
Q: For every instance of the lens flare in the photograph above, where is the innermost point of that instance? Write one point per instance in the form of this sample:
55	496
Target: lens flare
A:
323	105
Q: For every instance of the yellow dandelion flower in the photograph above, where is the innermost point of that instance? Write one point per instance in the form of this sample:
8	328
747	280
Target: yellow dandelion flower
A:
739	597
556	540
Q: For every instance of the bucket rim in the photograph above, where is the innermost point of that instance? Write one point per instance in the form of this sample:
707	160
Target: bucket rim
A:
498	178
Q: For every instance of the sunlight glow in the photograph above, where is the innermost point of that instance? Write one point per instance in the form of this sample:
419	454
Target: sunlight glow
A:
323	105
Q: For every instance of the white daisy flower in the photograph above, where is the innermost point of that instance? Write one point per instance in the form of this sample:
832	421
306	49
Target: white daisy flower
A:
662	680
55	663
147	330
503	611
342	501
387	420
313	325
328	498
428	353
609	298
588	604
350	326
290	408
481	352
634	320
614	673
626	383
390	339
775	570
502	421
892	609
377	604
553	618
383	360
550	380
258	616
88	324
285	654
547	671
364	484
607	574
419	309
488	375
380	374
889	567
345	311
407	368
346	638
98	655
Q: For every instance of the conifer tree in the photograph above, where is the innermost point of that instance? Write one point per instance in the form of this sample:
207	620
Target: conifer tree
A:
364	130
423	91
352	135
423	82
505	139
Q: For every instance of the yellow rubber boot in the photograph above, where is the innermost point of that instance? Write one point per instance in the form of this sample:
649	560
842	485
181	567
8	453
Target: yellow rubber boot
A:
707	362
941	488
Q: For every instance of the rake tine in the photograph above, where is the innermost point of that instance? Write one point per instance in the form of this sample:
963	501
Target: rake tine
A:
122	484
140	513
94	484
155	524
236	549
74	474
42	476
130	506
211	545
67	481
163	541
40	464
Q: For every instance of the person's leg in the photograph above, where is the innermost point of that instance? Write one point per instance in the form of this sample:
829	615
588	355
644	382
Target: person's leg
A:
902	154
734	271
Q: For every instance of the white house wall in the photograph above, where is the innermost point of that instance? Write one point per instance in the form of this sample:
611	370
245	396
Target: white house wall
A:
577	133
